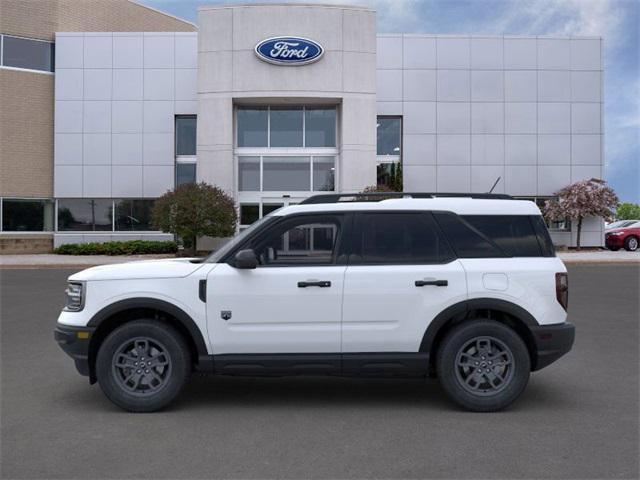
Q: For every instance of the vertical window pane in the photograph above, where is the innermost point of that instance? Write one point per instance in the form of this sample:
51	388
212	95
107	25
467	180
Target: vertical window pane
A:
324	174
249	174
186	135
249	213
25	53
27	215
84	214
134	215
320	127
252	126
267	208
286	127
286	173
389	131
185	173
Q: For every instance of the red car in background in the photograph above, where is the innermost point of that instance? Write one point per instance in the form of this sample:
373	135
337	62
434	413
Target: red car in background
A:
626	237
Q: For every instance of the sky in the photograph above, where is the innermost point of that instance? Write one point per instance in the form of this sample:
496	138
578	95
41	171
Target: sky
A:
617	21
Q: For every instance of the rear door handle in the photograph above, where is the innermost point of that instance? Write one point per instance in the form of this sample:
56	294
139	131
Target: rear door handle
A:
314	283
437	283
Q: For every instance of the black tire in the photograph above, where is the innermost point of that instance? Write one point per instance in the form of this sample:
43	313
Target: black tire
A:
127	385
460	346
631	243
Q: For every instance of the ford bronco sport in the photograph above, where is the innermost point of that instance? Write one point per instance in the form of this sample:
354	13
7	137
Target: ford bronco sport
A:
463	287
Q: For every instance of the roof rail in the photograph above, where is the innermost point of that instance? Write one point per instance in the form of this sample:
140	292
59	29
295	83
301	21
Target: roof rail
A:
379	196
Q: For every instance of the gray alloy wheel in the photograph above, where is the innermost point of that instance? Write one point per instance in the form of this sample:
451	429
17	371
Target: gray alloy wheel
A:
631	244
141	366
484	366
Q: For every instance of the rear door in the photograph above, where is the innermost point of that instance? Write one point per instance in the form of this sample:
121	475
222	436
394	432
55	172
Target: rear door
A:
401	274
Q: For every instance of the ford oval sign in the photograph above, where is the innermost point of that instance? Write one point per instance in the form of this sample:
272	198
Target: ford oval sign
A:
289	50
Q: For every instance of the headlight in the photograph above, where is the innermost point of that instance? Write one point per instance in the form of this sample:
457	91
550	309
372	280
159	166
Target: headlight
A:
616	233
75	297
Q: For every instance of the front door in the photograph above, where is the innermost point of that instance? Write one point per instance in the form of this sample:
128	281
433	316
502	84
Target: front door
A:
401	274
291	303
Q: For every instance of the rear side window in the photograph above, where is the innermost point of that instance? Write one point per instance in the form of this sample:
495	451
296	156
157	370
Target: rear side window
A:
512	233
400	238
546	245
466	240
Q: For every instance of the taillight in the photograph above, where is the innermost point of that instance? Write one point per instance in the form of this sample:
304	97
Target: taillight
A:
562	289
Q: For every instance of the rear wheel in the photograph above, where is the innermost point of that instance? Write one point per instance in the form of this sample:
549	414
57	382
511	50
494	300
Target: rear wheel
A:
143	365
483	365
631	244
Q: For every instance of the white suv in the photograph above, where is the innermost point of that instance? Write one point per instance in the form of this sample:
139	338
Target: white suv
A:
465	288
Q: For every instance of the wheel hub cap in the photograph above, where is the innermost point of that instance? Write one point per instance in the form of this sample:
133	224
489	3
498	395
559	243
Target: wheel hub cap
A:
484	366
141	366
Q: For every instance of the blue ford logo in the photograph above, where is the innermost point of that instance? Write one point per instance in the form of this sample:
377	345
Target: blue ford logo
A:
289	50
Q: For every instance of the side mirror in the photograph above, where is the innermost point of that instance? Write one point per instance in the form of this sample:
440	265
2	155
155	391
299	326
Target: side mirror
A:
245	259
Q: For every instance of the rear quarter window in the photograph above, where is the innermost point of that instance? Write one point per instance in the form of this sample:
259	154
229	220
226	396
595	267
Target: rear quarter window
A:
515	234
467	241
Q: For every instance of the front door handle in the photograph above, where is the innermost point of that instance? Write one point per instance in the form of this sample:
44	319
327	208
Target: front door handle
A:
437	283
314	283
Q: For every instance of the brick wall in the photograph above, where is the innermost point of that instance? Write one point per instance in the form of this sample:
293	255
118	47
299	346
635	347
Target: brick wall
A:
26	116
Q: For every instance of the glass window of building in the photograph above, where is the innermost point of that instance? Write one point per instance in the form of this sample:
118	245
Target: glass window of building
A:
286	127
85	215
133	215
324	169
185	173
27	215
253	126
186	135
26	53
249	174
320	127
286	173
389	136
249	213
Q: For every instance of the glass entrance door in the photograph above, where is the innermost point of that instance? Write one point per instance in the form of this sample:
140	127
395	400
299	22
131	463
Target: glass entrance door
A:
254	207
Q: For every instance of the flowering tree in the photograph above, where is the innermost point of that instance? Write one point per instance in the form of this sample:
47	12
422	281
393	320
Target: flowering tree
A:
195	210
586	198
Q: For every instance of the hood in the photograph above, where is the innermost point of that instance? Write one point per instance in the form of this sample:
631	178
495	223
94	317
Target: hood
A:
164	268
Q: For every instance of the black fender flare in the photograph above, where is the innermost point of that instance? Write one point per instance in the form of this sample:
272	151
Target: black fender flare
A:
459	310
153	303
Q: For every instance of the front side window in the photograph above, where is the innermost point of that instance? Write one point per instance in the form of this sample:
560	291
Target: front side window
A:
400	238
308	240
133	215
27	215
26	53
84	215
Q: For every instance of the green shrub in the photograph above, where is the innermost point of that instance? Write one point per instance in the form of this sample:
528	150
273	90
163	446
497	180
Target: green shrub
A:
131	247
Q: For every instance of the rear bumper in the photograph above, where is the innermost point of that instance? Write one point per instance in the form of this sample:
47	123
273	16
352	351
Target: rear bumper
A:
75	343
552	342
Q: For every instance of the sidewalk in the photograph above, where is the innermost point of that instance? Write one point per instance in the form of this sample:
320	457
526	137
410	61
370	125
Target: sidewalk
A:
85	261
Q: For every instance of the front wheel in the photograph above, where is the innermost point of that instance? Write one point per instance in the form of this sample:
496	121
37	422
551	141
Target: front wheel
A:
483	365
631	244
143	365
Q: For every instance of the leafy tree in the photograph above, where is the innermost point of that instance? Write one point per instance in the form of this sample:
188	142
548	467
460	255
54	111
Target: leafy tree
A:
195	210
586	198
628	211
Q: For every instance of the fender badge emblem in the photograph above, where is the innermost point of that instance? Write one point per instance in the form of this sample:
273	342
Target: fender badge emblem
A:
225	314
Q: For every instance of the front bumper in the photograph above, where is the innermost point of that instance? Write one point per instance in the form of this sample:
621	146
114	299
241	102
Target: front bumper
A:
75	343
552	342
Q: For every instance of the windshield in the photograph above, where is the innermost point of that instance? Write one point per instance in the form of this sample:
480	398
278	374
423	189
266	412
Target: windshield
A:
216	255
621	224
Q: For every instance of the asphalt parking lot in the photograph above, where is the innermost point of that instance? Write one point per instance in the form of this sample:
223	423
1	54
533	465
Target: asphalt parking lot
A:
577	419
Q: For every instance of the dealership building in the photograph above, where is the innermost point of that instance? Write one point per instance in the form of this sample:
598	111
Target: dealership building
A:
111	104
